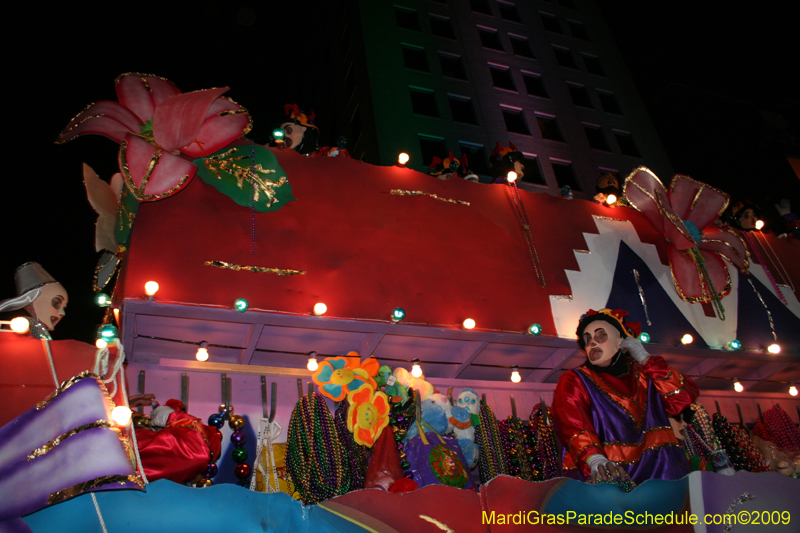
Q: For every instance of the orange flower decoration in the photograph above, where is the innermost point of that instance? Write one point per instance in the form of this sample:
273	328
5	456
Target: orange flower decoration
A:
368	414
337	376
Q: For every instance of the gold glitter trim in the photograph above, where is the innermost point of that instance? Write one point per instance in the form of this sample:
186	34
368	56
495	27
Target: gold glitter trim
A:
68	128
67	384
142	76
249	126
702	187
637	444
399	192
582	251
665	378
561	296
703	298
139	193
216	164
69	492
696	196
41	450
436	523
650	449
256	269
100	267
609	218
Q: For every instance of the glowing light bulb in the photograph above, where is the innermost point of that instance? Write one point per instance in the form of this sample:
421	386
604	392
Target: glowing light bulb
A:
108	332
202	352
101	343
737	386
151	288
774	348
102	299
468	323
535	329
611	199
398	314
512	177
733	345
116	316
515	377
241	305
320	308
759	224
687	339
416	370
20	325
278	134
121	415
644	337
793	390
403	158
312	365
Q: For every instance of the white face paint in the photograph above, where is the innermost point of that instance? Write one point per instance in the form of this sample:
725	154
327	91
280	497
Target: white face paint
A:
293	134
602	342
469	401
519	168
678	428
50	306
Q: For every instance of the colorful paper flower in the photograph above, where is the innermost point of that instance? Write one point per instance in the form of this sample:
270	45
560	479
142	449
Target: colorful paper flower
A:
684	214
155	124
335	378
367	415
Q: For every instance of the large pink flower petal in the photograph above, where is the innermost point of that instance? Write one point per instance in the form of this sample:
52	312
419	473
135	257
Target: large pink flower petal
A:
151	173
686	275
177	120
647	194
225	122
141	93
103	118
727	244
696	202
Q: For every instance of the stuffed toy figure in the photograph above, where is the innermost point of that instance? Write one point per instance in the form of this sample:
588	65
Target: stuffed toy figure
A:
464	417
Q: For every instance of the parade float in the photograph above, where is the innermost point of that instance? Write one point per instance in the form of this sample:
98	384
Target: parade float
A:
334	325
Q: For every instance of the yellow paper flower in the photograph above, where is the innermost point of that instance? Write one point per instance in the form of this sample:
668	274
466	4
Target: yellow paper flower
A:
368	414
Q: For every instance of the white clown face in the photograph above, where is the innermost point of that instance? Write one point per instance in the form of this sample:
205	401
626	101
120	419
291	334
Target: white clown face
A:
468	399
50	306
293	134
602	342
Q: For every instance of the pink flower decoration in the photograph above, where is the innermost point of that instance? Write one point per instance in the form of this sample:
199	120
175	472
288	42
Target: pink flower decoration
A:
684	215
161	130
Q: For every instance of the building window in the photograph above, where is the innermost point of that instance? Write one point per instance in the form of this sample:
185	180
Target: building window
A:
609	102
550	22
549	128
597	139
462	109
406	18
626	144
534	85
423	102
578	30
508	12
564	57
452	66
501	77
515	120
580	96
441	27
476	157
431	147
414	58
480	6
521	46
490	39
565	175
593	65
533	171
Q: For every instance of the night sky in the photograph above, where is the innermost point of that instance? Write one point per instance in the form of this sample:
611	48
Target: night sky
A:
697	68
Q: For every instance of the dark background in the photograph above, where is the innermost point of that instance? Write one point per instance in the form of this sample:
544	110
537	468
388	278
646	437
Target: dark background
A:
720	85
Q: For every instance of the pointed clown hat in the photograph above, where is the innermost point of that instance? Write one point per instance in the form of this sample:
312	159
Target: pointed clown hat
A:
30	278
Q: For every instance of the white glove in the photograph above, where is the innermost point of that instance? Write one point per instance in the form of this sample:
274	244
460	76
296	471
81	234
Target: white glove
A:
159	416
634	347
611	469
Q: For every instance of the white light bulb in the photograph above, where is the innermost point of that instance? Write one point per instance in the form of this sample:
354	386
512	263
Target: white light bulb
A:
20	325
121	415
512	177
403	158
320	308
759	224
312	365
416	370
515	377
101	343
774	348
738	386
151	288
468	323
687	339
611	199
793	390
202	352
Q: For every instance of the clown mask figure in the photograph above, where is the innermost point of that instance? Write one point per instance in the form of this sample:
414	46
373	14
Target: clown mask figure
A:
602	342
293	134
50	306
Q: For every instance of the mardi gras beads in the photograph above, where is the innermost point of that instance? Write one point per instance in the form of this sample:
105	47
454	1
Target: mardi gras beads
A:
513	435
780	425
239	455
492	458
216	420
401	416
541	423
315	457
737	444
356	454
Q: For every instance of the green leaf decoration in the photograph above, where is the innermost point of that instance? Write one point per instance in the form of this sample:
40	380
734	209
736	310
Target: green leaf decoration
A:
126	213
232	172
146	129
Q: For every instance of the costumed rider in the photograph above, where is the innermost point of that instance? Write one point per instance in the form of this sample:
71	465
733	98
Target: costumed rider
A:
299	133
173	444
744	216
41	296
612	413
504	160
608	190
451	167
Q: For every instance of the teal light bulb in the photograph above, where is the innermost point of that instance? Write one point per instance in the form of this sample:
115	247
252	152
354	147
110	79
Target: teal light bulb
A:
241	305
644	337
535	329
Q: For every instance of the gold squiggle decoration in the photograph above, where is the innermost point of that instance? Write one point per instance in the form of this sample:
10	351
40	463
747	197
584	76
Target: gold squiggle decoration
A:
69	492
67	384
41	450
399	192
436	523
256	269
217	164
